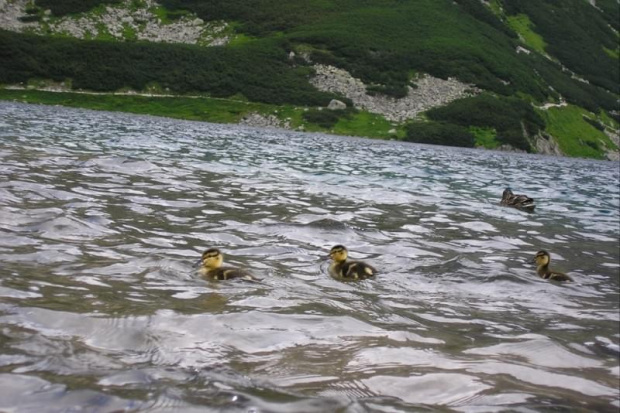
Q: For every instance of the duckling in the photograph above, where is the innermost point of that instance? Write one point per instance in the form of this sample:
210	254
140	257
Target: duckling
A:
211	267
341	268
522	202
542	260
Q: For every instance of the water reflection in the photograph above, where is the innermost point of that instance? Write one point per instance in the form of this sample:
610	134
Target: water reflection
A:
102	216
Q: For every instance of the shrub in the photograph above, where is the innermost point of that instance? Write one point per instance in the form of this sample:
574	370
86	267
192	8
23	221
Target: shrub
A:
439	133
63	7
506	115
259	71
324	118
327	118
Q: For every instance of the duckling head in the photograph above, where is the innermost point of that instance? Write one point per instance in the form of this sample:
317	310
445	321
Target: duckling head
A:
339	253
542	258
212	259
507	193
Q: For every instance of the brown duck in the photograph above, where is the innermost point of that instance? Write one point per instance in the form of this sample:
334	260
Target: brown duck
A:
522	202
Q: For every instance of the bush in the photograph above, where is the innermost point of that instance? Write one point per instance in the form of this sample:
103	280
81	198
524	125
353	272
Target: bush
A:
63	7
260	71
579	93
506	115
30	18
598	125
327	118
439	133
575	33
324	118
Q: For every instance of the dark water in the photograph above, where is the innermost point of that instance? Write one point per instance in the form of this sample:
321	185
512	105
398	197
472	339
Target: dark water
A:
102	216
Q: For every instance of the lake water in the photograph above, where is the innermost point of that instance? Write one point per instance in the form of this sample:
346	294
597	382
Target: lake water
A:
102	216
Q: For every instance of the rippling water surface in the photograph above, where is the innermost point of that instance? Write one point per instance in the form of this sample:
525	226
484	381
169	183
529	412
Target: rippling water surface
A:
102	216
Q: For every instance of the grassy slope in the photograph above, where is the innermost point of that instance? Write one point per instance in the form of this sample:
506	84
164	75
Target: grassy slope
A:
522	25
210	110
379	42
573	133
202	109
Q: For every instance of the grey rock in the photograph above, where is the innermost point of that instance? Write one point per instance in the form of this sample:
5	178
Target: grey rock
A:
335	104
430	92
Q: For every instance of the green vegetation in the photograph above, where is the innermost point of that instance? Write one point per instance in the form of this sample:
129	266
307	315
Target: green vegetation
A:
167	16
611	12
369	125
202	109
259	71
64	7
382	42
614	54
385	43
575	33
573	91
355	123
324	118
485	137
575	135
522	25
509	117
439	133
496	7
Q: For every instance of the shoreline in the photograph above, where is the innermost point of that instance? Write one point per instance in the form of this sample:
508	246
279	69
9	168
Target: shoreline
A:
205	109
217	110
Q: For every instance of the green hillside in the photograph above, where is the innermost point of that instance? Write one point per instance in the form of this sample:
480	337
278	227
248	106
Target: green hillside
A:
568	51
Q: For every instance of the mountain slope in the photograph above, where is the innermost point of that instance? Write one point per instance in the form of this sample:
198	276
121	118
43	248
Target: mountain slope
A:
512	59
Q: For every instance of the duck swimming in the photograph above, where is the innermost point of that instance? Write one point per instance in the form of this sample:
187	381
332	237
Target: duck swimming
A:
354	270
211	267
522	202
542	260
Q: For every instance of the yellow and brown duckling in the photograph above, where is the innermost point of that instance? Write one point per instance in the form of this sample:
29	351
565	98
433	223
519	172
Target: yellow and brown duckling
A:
542	260
522	202
353	270
211	268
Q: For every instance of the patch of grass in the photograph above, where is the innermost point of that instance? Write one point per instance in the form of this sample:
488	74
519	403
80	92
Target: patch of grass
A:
574	135
103	33
369	125
240	39
129	33
485	137
608	121
439	133
168	16
201	109
496	8
523	26
612	53
205	109
65	7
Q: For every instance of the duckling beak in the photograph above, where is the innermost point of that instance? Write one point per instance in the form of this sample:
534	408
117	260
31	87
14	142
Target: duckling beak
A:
198	263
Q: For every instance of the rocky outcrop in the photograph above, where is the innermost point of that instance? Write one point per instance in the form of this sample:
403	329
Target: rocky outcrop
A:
429	92
336	104
613	154
547	145
122	21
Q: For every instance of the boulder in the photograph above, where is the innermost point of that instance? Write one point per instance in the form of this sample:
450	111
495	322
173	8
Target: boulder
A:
336	105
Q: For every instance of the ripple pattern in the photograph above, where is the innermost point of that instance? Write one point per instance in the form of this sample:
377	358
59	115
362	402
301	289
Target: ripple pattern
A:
103	214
